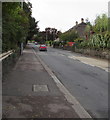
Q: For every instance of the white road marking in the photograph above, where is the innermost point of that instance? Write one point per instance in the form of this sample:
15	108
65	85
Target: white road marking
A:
70	98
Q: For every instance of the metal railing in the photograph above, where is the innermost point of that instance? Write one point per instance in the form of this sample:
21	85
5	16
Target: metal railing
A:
5	55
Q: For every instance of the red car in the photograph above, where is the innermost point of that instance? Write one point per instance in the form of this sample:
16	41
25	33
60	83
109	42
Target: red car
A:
43	48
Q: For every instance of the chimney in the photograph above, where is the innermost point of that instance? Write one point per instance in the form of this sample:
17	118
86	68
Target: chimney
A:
76	23
82	20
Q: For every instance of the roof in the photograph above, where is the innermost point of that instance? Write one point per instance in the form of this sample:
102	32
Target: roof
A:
80	28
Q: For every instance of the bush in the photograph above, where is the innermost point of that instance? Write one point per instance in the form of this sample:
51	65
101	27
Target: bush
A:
97	41
69	36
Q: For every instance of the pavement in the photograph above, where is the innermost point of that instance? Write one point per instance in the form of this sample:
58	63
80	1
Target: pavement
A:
30	92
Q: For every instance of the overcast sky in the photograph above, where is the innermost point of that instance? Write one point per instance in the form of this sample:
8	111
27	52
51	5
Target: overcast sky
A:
62	14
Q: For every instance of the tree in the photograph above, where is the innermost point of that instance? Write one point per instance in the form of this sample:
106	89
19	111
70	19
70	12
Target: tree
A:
51	34
88	30
101	23
17	24
69	36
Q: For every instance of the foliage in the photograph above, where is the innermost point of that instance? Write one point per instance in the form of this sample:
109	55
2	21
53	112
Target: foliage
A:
16	24
33	29
51	34
101	23
69	36
100	38
97	41
49	42
56	43
109	24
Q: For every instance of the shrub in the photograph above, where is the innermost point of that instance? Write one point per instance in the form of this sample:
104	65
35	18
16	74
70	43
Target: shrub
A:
97	41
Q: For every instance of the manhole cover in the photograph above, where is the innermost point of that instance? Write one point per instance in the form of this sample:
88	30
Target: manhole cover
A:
38	88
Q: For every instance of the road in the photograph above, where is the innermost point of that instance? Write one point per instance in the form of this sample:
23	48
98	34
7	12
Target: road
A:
87	83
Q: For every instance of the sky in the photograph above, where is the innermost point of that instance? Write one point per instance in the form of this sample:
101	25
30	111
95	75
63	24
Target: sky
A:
62	14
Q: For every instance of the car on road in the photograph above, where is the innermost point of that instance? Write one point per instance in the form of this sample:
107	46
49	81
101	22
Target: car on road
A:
36	43
43	48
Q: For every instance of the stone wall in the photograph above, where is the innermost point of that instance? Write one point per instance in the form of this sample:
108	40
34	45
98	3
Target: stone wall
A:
105	54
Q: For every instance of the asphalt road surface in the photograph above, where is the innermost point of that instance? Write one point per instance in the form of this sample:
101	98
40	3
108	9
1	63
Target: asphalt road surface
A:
88	84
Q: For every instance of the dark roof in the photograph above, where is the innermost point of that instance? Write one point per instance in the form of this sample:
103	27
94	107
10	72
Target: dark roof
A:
80	28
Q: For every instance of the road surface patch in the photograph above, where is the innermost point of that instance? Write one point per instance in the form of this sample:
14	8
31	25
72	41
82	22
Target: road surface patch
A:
57	107
39	88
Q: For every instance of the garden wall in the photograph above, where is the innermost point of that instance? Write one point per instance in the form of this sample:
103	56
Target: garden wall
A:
105	54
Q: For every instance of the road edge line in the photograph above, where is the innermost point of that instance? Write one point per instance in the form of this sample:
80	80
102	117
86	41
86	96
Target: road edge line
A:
81	112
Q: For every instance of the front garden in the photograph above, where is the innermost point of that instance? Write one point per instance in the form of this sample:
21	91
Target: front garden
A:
95	41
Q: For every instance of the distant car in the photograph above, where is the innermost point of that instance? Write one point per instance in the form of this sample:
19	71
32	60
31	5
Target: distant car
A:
36	43
43	48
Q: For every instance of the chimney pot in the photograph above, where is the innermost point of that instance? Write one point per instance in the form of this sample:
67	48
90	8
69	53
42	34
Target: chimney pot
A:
82	20
76	22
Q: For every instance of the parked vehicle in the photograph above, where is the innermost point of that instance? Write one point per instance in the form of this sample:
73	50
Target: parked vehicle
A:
43	48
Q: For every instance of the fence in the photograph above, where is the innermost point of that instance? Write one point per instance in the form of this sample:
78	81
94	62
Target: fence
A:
5	55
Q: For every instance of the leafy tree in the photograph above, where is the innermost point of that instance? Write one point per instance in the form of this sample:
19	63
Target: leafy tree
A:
101	23
13	25
17	24
69	36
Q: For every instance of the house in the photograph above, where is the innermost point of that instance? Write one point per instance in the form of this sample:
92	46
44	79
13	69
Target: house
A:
79	28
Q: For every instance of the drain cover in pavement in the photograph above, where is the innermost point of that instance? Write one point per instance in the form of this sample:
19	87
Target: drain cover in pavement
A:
38	88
